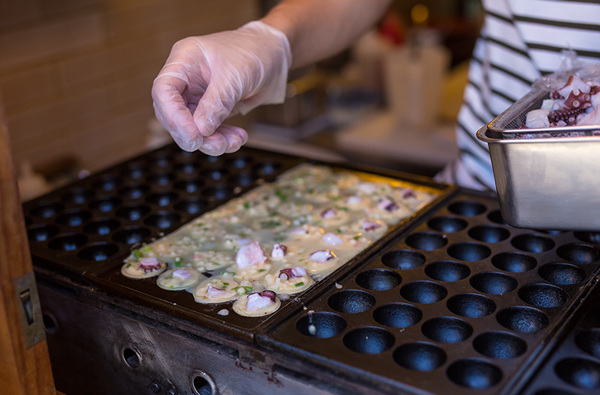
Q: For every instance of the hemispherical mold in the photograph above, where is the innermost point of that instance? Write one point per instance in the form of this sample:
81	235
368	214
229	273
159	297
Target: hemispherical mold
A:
471	305
489	234
447	224
589	237
239	161
132	235
543	295
98	252
467	208
242	179
133	213
47	210
73	218
266	168
351	301
161	179
397	315
424	292
368	340
469	252
68	242
562	273
191	206
77	196
474	373
447	271
426	241
579	253
493	283
161	199
218	192
589	341
105	205
447	329
163	219
514	262
420	356
187	168
107	183
403	259
522	319
189	186
378	279
101	227
580	372
321	325
134	191
40	232
496	217
499	345
135	170
532	243
217	174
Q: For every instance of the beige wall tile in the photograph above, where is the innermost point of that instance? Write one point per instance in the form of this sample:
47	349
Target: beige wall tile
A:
19	12
29	88
51	39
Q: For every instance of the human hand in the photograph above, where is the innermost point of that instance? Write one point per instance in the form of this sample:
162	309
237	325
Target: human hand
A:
208	78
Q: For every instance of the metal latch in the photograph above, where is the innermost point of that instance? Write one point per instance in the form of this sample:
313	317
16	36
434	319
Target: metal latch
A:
29	309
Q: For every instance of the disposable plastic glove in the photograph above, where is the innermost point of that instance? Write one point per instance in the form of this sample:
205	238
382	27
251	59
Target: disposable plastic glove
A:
208	78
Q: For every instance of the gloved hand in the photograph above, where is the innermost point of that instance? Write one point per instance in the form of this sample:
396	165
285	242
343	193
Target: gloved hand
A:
208	78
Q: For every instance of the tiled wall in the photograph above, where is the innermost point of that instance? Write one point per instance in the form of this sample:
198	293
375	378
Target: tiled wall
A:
75	75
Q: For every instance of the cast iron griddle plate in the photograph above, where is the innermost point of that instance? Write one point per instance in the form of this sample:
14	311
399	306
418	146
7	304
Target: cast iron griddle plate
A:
574	366
461	302
92	224
84	231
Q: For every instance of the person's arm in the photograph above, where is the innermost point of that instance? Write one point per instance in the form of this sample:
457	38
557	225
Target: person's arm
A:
208	78
318	29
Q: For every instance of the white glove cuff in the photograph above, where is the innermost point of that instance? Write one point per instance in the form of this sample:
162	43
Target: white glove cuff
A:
276	67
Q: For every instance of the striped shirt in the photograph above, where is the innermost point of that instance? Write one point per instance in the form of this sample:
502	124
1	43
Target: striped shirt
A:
520	41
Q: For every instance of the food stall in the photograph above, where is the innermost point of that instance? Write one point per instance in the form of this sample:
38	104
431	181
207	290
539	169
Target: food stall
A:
449	299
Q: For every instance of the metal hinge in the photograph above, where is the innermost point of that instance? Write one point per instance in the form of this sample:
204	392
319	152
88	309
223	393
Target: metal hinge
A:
29	309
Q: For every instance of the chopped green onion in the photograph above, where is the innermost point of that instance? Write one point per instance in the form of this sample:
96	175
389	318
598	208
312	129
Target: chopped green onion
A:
178	262
282	196
137	253
242	290
356	238
262	270
338	230
246	205
301	283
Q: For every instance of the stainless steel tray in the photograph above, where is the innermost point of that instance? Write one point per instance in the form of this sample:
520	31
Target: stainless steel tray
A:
546	178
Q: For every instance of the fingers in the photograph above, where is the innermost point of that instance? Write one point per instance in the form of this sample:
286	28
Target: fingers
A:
225	139
172	110
216	106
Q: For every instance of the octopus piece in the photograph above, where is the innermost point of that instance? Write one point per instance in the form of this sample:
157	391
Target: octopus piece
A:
322	255
332	239
216	290
369	226
178	279
292	272
289	281
387	205
278	251
250	255
257	304
143	268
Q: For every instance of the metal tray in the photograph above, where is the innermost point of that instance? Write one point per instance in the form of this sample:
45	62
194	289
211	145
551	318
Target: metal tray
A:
544	181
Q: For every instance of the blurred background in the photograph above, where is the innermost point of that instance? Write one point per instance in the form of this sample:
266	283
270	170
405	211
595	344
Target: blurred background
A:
75	79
